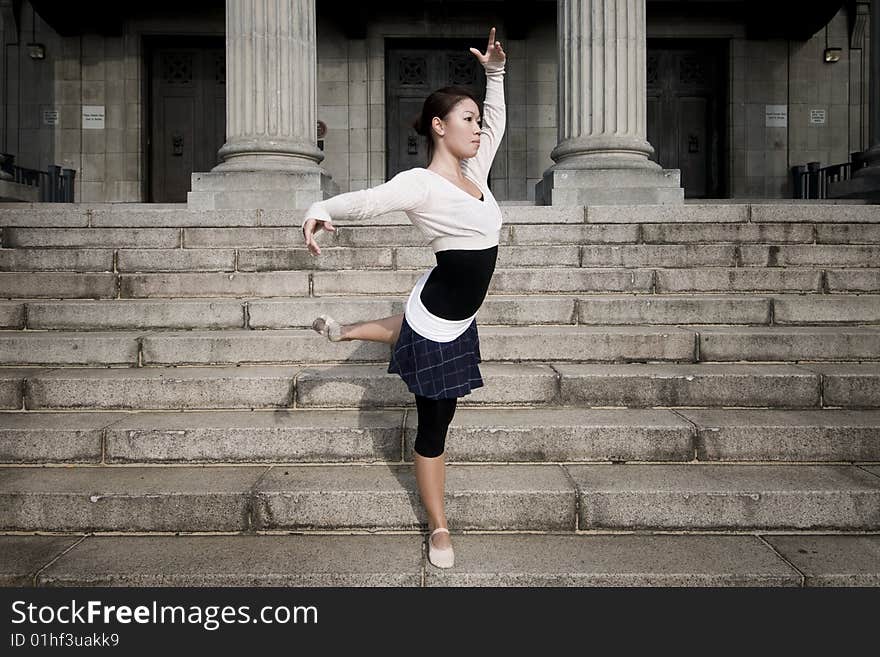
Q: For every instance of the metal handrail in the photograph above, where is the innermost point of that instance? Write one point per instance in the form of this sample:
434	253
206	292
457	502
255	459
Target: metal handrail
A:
812	180
56	185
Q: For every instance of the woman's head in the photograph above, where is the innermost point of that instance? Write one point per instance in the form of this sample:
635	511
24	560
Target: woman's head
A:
450	120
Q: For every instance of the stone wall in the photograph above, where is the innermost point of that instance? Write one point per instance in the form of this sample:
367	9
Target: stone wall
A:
109	71
779	72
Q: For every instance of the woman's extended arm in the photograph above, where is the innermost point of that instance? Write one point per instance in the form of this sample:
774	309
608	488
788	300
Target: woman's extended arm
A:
403	192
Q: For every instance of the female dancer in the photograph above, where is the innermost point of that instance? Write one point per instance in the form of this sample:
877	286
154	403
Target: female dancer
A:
436	347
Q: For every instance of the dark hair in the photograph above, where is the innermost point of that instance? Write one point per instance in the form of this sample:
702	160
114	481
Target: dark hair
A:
439	104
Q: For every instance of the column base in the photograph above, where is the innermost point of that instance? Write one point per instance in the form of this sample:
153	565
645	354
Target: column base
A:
246	190
610	187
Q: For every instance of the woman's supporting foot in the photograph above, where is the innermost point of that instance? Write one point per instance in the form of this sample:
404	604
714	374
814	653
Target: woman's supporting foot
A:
442	557
440	539
328	327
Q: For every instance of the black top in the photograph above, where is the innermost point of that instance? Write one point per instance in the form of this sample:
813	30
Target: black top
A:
458	284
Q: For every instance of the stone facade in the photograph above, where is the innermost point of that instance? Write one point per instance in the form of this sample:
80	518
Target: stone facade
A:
110	71
793	73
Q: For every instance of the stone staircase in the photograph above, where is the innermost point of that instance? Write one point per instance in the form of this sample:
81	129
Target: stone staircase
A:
674	396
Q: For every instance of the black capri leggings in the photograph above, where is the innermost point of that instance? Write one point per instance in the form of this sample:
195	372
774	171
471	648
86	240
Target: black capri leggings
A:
434	418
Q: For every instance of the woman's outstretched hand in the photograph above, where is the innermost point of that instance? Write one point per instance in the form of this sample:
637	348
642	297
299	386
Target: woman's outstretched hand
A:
311	227
494	56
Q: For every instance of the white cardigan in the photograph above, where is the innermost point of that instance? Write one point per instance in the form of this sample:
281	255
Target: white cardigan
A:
448	216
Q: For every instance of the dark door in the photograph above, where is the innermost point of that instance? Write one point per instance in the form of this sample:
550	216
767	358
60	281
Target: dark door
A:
686	110
412	72
187	114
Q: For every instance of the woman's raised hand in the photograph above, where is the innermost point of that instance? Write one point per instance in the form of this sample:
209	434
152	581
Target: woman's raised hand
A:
494	56
311	227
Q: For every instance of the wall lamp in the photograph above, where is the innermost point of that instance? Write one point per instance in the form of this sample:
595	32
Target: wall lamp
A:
832	55
36	50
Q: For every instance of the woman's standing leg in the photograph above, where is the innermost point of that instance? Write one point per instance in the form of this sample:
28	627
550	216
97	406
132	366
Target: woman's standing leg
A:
435	415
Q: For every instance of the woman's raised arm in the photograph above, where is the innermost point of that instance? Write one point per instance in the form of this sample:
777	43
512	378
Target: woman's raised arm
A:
494	110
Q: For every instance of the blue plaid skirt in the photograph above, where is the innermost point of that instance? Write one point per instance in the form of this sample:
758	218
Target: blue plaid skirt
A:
437	370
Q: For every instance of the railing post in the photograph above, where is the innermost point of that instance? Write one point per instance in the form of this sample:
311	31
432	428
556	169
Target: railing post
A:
43	186
54	182
67	181
799	172
813	179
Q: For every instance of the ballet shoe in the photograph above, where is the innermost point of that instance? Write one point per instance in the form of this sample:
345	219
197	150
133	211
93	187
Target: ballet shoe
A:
440	557
328	327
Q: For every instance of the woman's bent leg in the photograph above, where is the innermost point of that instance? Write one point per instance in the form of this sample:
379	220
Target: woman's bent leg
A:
386	330
435	415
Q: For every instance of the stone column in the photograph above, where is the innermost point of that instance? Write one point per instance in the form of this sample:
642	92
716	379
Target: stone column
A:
270	158
602	154
865	183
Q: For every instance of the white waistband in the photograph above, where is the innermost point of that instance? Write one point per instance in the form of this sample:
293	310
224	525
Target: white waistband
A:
428	325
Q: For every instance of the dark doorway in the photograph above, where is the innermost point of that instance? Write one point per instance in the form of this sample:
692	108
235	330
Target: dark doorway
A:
187	112
687	100
413	69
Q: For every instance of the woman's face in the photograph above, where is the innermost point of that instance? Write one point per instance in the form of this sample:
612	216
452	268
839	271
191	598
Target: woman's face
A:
460	131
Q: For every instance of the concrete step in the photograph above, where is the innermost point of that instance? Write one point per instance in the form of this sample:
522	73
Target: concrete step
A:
609	344
840	385
150	387
135	214
400	282
402	258
497	309
481	559
788	344
144	314
518	344
847	233
636	280
179	215
552	280
811	255
403	233
814	213
477	435
52	285
848	385
778	435
715	496
746	233
362	235
70	347
84	215
852	280
57	260
142	238
814	385
629	385
12	382
826	309
544	497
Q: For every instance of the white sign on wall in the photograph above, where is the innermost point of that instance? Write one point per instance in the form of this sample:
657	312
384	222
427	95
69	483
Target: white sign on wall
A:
93	117
817	116
776	116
